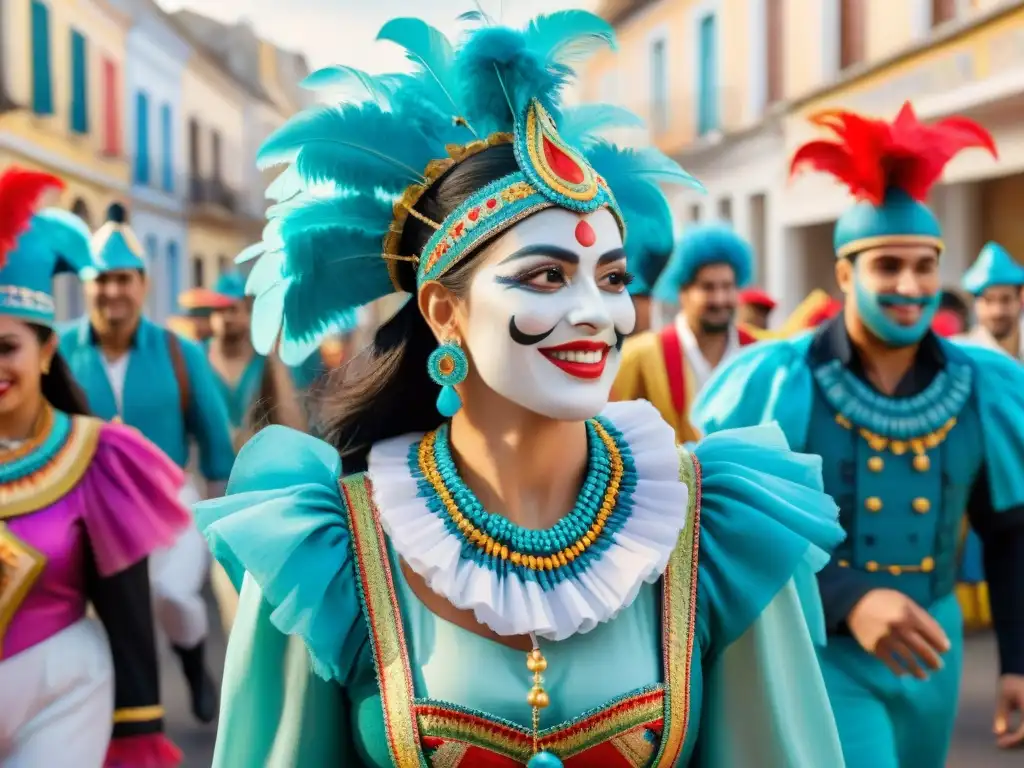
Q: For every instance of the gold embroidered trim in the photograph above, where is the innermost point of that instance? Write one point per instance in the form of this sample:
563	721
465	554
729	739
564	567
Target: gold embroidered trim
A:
635	747
387	635
20	567
138	714
919	445
58	477
411	196
679	618
880	241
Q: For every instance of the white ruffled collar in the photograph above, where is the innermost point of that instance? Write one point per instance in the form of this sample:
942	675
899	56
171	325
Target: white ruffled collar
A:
637	553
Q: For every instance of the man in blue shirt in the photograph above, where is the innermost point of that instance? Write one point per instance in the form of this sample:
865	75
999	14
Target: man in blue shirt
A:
135	371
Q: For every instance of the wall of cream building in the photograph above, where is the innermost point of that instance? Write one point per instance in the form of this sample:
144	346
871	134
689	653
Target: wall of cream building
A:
216	101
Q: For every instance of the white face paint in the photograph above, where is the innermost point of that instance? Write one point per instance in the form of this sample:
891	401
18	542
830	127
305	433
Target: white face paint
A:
548	308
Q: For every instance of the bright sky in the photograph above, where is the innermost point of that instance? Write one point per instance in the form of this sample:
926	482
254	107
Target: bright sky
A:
343	31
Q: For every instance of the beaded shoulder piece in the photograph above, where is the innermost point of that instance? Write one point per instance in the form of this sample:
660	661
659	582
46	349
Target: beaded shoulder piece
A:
43	470
897	423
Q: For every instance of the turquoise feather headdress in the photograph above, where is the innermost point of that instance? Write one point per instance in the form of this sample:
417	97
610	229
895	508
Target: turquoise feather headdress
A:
36	245
355	171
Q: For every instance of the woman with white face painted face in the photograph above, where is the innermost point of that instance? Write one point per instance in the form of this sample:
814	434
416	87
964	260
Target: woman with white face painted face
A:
509	570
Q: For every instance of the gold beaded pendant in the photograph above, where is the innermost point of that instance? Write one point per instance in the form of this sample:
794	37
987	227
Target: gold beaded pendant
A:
538	699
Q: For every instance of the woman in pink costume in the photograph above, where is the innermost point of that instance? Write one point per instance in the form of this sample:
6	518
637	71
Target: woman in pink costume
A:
82	505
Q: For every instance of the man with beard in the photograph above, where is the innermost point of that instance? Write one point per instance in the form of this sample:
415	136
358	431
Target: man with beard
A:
135	371
670	367
997	282
912	429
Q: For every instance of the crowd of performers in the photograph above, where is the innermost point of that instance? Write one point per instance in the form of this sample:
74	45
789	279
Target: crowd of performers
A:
575	504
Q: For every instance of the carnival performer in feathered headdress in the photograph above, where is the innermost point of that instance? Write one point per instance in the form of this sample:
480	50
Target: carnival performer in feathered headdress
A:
669	367
83	504
507	570
913	429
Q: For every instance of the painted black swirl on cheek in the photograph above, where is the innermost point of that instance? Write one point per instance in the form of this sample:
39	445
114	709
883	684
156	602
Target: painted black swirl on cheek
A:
620	339
527	339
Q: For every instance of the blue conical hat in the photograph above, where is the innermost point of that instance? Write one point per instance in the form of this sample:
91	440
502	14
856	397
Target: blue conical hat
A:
115	246
994	266
700	246
231	285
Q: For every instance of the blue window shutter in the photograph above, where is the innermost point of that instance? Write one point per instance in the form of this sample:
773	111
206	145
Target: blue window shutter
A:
79	84
42	80
173	275
141	138
167	149
707	106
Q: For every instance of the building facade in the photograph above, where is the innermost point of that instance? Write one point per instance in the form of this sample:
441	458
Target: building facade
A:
157	58
706	75
726	87
214	109
63	64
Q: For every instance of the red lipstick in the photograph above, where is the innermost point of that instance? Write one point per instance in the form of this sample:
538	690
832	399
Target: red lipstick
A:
582	359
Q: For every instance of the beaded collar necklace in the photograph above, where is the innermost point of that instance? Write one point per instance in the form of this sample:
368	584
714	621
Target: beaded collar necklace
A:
544	556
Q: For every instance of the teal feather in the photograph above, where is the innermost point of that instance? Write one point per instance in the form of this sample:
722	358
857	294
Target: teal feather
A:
648	163
581	126
286	185
569	37
429	49
251	252
349	83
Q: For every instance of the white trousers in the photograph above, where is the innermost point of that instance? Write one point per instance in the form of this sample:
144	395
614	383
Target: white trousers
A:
57	701
177	574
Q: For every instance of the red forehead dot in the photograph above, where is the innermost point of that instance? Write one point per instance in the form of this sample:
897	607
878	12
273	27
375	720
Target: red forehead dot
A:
585	234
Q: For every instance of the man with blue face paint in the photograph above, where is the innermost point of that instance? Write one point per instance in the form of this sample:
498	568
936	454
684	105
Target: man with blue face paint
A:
913	430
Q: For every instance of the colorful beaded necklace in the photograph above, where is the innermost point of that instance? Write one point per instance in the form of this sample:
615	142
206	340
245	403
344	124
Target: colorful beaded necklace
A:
545	556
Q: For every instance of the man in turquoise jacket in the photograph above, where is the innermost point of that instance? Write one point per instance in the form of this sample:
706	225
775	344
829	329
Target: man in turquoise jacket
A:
137	372
913	430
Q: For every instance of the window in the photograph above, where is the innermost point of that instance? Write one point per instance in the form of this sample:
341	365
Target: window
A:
943	11
775	51
851	32
659	86
223	265
141	138
79	84
193	147
707	72
198	272
695	212
42	79
111	110
166	149
725	209
215	167
151	247
173	275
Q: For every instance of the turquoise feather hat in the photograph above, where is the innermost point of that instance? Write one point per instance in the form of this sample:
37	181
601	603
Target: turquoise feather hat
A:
700	246
889	167
35	246
355	171
994	266
115	246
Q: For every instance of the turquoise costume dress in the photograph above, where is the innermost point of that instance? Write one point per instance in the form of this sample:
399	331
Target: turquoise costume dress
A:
668	605
170	391
334	661
903	468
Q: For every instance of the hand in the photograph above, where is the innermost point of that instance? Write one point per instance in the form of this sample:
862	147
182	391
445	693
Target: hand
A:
898	631
1009	707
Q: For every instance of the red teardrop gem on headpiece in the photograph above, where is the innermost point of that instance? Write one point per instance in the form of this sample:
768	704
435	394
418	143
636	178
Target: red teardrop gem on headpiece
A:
585	234
563	166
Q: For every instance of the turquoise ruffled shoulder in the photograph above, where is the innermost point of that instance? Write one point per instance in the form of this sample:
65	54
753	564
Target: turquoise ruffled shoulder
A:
768	381
999	396
283	522
765	519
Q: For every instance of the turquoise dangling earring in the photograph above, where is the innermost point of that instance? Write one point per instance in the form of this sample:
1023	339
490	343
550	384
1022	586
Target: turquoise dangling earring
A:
448	366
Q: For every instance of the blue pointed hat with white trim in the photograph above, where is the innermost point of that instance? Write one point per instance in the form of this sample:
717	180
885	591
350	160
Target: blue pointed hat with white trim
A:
36	245
994	266
115	246
889	167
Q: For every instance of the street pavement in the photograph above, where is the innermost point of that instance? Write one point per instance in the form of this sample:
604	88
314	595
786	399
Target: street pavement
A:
972	747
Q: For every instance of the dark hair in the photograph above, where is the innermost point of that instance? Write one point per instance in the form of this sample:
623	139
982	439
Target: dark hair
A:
385	391
59	386
951	300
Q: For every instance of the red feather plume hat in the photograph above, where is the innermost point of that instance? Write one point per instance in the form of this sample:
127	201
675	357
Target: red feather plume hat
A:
20	192
889	168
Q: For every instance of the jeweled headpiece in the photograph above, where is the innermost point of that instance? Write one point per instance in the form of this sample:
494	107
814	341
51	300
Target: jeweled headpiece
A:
890	169
36	245
356	171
